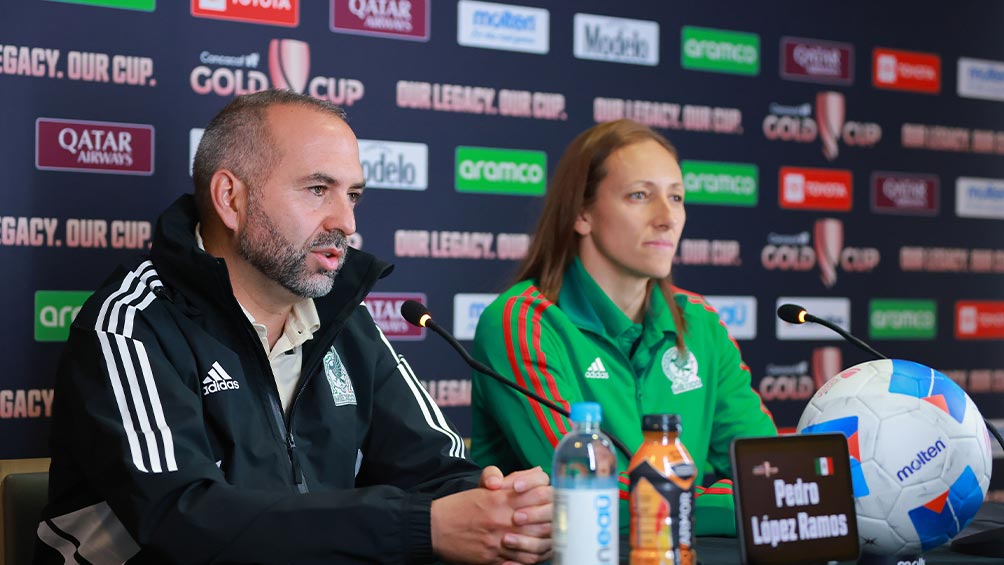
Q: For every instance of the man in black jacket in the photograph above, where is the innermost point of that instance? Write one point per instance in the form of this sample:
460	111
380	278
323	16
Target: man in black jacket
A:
230	400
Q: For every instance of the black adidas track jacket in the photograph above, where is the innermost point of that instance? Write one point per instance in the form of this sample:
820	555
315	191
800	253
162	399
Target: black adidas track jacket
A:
169	444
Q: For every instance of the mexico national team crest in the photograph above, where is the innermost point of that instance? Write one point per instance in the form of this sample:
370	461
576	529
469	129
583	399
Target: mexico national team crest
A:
338	379
682	372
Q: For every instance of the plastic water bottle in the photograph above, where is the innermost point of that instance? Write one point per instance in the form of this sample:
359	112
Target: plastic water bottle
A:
586	494
662	477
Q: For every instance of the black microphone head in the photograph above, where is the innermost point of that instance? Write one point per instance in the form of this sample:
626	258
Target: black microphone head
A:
791	313
415	313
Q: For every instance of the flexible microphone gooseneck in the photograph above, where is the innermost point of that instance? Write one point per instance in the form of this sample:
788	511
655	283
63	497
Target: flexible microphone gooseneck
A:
795	314
416	314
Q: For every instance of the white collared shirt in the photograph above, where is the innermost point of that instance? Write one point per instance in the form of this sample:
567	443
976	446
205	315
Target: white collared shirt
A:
286	357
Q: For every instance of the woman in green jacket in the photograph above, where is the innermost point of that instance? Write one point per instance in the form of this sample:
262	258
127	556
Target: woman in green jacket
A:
596	317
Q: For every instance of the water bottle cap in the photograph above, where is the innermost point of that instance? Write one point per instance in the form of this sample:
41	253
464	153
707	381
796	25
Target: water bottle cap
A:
587	412
660	422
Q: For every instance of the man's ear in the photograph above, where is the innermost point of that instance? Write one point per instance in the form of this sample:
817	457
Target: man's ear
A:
584	223
229	197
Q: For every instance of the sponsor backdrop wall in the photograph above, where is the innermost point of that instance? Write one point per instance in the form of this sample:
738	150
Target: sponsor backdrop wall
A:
835	156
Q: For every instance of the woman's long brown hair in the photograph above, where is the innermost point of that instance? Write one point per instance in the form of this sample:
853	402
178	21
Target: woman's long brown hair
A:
573	189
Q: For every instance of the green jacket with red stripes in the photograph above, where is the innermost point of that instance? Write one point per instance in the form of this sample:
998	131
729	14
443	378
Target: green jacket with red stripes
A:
585	348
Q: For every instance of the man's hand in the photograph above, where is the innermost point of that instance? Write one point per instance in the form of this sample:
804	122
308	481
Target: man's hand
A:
507	520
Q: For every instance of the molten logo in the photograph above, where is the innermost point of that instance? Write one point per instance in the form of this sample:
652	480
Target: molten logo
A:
924	456
906	70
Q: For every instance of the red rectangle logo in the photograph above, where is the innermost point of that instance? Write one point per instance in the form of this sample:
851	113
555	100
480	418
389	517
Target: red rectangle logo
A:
385	307
979	319
269	12
905	193
395	19
814	60
906	70
815	189
93	147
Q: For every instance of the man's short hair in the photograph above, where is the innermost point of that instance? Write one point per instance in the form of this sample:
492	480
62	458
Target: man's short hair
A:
238	139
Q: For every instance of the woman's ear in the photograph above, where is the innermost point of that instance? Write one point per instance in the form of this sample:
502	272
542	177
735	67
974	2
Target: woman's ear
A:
584	223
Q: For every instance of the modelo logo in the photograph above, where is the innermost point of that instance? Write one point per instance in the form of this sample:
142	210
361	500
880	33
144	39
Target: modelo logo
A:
467	309
394	164
813	60
272	12
289	69
396	19
979	198
905	193
924	456
503	26
982	79
501	171
738	313
93	147
617	40
902	319
720	51
726	184
55	311
385	308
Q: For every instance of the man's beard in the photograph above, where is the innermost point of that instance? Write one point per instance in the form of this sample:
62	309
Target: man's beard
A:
262	245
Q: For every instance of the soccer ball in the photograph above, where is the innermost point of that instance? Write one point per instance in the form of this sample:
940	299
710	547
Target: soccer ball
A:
920	452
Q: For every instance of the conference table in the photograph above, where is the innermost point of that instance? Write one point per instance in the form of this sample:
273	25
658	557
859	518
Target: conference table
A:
725	551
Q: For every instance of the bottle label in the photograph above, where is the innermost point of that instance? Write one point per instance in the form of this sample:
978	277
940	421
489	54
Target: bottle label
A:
585	526
662	513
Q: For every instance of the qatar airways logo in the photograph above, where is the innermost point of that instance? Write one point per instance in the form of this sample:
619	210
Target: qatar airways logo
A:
395	19
288	69
801	125
824	248
385	308
905	193
93	147
269	12
814	60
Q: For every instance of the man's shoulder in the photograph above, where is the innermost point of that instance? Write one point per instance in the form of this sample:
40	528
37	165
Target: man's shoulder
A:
113	306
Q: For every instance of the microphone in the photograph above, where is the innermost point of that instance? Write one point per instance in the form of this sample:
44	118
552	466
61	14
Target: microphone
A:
416	314
795	314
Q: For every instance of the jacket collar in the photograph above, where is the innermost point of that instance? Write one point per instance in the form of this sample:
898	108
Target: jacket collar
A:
204	282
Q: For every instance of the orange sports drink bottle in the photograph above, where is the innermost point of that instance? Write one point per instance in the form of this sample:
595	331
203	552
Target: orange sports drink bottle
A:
662	477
